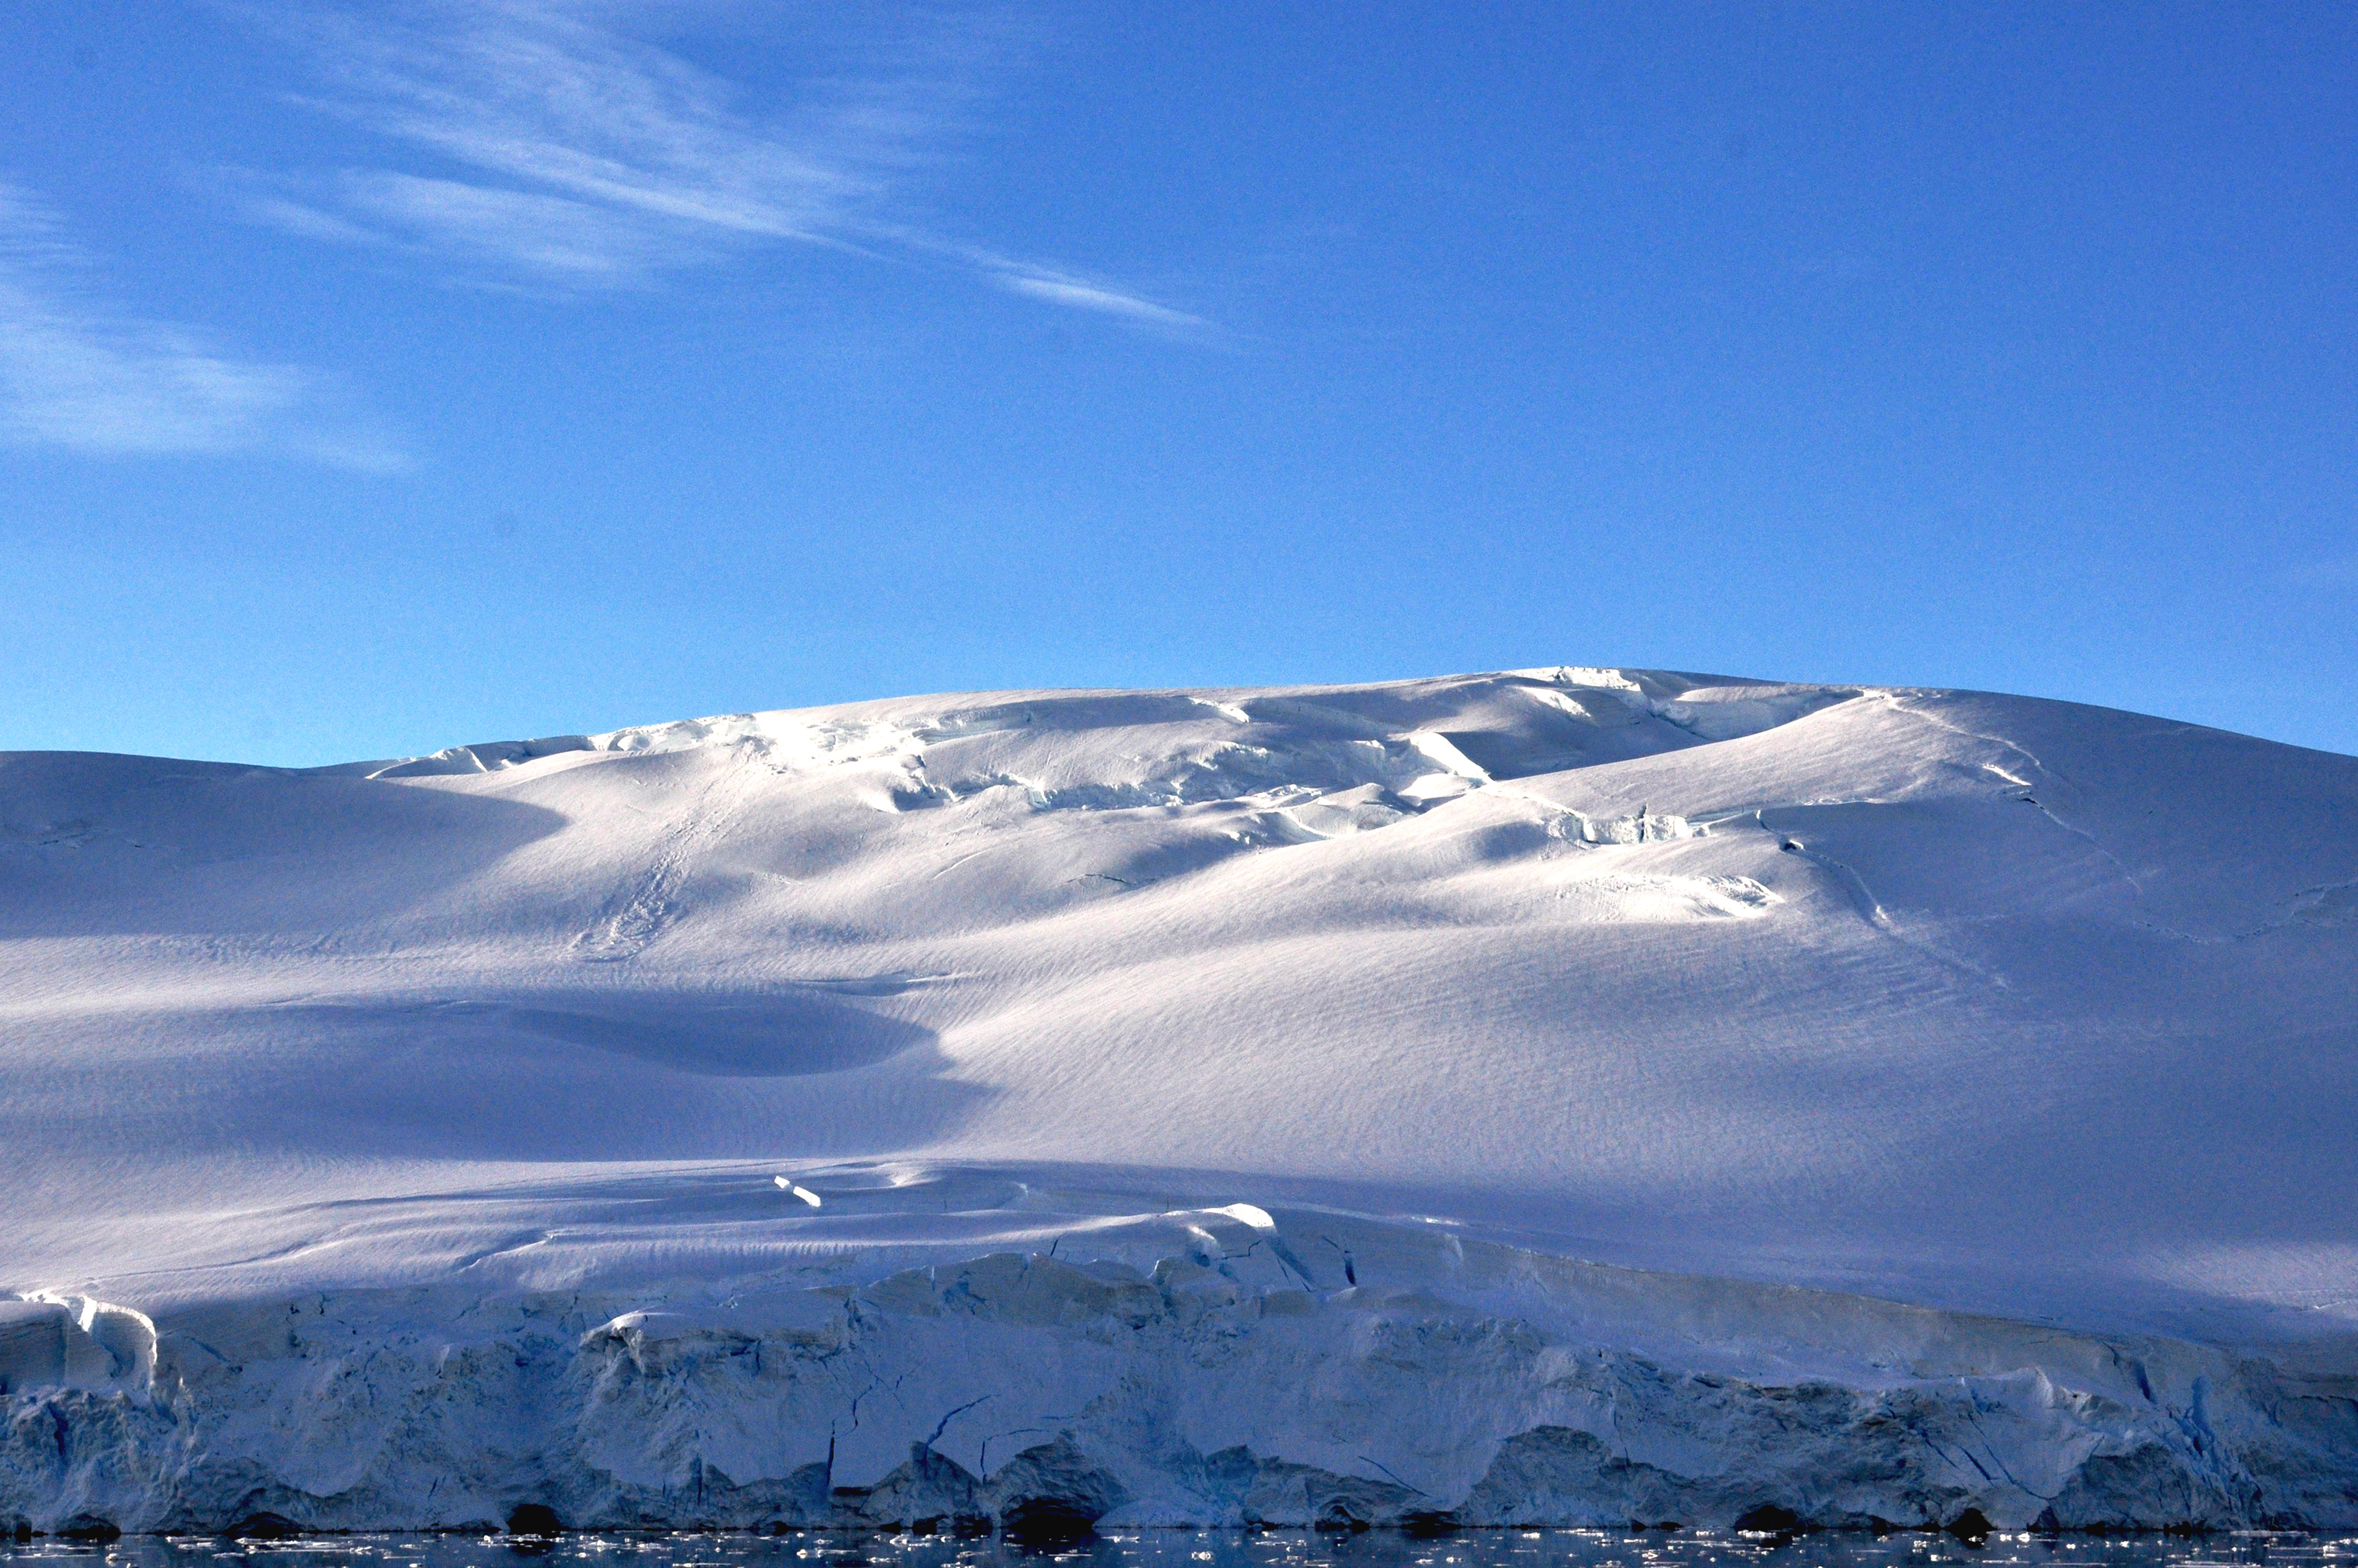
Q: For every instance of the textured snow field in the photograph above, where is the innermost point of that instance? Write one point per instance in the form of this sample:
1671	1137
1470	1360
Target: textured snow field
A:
1967	999
1975	1003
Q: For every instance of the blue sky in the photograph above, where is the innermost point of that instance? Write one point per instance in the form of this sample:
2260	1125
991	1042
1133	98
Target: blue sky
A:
379	377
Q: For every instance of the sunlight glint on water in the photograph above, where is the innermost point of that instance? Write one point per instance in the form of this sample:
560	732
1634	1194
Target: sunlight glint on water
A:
1206	1548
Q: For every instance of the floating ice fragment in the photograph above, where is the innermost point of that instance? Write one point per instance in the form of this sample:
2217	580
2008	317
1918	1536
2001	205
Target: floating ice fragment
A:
805	1194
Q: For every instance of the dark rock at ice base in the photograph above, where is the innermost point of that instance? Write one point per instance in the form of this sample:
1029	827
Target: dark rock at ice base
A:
964	1527
264	1527
1054	1492
1047	1521
1970	1527
1771	1520
1337	1515
535	1519
90	1527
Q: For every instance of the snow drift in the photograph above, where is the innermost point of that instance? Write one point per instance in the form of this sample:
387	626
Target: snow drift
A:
1565	1095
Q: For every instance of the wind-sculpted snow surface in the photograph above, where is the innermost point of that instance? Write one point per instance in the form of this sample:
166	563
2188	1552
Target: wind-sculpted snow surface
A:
1565	1095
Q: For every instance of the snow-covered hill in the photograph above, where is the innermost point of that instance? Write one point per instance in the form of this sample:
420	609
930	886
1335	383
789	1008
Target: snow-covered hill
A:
1430	1092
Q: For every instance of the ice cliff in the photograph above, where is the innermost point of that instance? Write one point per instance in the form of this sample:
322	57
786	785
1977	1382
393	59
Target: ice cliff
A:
1232	1380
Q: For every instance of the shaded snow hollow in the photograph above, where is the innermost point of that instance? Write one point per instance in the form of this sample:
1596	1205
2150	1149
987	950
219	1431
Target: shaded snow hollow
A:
1561	1096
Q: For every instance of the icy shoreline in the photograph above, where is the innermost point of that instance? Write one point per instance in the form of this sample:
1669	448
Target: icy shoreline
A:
1483	1385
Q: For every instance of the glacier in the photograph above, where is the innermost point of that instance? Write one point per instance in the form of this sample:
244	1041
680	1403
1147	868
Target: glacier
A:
1569	1095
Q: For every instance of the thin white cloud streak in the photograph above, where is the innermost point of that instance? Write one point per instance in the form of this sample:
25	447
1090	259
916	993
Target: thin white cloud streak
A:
585	158
78	374
1089	297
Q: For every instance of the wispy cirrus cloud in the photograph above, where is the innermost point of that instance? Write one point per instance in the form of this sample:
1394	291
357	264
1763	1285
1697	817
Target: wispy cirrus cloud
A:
80	373
1082	296
574	154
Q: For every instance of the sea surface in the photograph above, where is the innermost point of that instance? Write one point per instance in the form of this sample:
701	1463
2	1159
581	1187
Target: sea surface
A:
1204	1549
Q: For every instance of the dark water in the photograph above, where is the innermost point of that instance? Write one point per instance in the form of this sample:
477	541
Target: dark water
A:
1207	1549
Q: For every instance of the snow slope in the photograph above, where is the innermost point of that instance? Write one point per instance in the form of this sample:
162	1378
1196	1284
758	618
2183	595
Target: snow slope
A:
2041	1020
